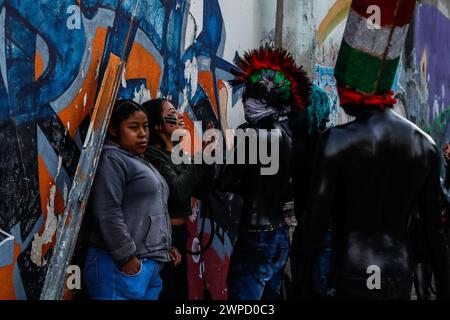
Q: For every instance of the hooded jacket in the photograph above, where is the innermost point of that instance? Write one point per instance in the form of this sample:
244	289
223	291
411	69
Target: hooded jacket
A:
128	207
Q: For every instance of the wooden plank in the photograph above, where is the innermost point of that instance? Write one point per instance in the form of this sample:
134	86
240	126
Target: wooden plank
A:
71	221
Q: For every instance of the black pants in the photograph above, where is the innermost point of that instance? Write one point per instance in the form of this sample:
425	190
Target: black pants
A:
175	281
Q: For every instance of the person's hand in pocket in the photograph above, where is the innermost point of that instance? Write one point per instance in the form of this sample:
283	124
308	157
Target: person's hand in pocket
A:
175	256
132	266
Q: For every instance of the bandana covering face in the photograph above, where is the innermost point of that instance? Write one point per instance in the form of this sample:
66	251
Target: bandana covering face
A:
256	110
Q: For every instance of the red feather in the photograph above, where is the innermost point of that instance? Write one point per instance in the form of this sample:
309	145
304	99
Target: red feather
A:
277	60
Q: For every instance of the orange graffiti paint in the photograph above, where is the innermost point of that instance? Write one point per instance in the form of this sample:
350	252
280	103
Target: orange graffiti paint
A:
334	17
141	64
39	66
206	81
196	139
78	109
7	291
223	103
45	184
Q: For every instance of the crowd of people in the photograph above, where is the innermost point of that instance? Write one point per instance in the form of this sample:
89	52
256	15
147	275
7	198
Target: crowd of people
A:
364	194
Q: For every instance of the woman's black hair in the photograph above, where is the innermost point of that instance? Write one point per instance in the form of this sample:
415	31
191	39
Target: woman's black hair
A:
123	109
154	110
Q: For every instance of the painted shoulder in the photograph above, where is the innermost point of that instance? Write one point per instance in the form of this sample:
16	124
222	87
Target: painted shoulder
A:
416	128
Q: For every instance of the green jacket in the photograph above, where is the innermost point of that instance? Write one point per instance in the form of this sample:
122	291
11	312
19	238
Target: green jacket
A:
184	180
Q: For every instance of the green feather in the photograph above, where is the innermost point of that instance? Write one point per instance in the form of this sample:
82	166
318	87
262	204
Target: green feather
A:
318	109
281	84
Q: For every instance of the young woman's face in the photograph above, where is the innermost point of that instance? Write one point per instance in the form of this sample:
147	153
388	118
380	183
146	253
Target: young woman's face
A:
133	133
170	118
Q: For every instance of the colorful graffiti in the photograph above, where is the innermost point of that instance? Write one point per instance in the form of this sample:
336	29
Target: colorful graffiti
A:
432	44
324	78
422	79
51	66
53	57
335	16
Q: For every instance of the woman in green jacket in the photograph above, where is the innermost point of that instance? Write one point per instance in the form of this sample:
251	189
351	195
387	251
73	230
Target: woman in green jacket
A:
184	180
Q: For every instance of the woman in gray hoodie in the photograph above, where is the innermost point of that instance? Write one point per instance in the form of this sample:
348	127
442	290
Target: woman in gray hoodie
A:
131	234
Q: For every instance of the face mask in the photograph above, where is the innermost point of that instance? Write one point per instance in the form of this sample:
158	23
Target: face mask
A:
255	110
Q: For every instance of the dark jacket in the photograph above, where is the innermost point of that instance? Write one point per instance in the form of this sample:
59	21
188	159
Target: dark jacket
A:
128	207
184	180
263	196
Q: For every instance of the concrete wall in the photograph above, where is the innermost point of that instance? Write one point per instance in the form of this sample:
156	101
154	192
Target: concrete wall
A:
423	77
425	72
314	36
53	55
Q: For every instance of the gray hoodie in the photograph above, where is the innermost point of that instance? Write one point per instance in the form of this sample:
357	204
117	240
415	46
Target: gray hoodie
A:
128	207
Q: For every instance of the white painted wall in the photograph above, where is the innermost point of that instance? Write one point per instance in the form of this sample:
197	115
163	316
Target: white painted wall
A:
301	21
247	23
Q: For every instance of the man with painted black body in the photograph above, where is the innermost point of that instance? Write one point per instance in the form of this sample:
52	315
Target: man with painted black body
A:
370	176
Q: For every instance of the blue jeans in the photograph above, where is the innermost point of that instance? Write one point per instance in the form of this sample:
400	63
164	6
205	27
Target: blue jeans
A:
104	280
257	265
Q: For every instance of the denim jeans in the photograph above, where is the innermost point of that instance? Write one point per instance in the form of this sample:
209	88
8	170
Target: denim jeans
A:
104	280
257	265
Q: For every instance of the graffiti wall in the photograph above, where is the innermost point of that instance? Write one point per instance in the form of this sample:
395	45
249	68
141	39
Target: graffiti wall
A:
422	81
53	55
425	76
321	26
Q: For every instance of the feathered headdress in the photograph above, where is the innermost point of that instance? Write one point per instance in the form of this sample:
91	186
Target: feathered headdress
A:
318	110
271	75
